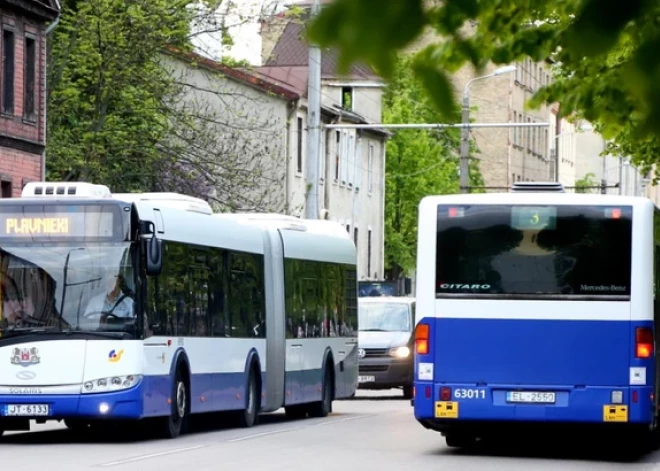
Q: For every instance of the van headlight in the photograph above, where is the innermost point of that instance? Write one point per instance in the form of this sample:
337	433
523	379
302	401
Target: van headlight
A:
110	384
400	352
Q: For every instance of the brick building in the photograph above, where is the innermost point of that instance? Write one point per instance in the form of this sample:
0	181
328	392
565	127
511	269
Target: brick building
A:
23	91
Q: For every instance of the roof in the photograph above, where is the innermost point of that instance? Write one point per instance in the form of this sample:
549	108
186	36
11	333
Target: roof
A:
45	10
292	50
248	77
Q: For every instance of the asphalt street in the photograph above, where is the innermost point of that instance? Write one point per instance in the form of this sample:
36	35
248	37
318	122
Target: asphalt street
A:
373	431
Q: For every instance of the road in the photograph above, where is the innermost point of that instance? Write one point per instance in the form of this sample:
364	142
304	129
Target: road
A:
374	431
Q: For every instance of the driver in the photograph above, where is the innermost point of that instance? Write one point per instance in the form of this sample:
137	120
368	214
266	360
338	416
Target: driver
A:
113	301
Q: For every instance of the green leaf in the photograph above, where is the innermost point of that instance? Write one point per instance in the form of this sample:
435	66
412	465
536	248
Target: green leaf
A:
368	30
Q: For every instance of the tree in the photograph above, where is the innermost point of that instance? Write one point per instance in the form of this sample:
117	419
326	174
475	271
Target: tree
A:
106	89
419	163
586	184
606	50
121	115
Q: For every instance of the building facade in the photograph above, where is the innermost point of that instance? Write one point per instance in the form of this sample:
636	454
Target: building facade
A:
269	105
352	164
23	92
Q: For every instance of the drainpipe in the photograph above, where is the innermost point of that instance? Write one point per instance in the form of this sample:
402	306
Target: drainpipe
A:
287	152
49	30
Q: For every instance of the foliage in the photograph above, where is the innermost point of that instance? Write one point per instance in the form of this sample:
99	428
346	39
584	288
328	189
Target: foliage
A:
419	163
107	87
121	116
607	51
585	184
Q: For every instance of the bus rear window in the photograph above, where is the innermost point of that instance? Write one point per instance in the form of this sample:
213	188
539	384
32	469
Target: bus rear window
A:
524	251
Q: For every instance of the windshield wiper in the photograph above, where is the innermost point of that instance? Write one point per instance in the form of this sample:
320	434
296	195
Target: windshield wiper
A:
374	330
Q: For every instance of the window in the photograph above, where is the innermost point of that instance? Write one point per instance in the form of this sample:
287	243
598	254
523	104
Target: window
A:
29	107
8	59
5	188
337	154
534	250
347	98
299	161
355	237
320	299
368	252
370	168
207	292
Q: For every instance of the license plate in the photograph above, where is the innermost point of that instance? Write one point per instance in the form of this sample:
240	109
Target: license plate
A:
366	379
29	410
530	397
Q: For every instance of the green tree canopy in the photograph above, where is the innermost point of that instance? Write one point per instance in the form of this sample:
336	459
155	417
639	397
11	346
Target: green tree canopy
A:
606	51
131	108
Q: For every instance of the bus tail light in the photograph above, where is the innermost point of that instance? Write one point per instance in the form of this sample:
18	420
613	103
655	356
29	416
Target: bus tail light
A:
422	339
643	342
445	394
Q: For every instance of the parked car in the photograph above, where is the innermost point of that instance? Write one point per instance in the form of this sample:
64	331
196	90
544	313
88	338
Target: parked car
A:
385	343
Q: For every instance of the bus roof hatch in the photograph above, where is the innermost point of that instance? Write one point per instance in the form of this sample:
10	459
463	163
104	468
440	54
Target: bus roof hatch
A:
537	187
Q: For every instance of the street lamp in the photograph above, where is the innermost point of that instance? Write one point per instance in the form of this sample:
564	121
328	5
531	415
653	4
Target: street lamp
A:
465	131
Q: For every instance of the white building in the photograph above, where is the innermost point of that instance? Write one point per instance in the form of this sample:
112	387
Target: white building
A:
269	106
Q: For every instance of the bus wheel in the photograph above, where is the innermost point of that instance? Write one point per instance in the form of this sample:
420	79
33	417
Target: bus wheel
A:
324	406
407	392
175	423
248	416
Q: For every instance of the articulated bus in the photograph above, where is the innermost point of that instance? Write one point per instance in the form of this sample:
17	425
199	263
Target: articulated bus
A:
536	310
150	307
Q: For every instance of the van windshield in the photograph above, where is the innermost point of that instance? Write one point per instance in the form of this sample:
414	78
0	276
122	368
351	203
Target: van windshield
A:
384	317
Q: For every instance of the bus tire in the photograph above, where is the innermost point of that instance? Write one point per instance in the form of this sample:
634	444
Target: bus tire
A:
323	407
249	416
407	392
176	423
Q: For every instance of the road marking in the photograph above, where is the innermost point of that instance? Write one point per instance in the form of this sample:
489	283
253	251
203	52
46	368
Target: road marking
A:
264	434
152	455
346	419
293	429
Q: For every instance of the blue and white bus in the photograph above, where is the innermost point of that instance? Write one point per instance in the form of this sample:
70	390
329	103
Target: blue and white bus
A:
123	307
536	308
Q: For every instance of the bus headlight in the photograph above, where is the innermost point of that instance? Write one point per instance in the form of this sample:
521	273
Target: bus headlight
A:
110	384
400	352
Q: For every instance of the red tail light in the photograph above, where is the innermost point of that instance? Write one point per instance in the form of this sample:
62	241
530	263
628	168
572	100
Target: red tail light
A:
445	394
643	342
422	339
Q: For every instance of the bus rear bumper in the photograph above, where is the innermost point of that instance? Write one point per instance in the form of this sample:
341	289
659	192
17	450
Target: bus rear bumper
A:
120	405
480	405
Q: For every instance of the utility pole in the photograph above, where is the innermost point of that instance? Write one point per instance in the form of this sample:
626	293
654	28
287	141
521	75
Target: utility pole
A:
465	146
313	125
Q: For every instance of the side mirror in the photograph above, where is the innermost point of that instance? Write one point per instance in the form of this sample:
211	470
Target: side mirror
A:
153	250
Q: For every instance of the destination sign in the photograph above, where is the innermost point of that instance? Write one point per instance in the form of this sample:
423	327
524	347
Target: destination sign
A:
50	222
36	225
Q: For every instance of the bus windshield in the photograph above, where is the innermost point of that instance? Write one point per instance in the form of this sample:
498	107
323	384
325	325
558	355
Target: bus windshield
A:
534	250
384	317
66	288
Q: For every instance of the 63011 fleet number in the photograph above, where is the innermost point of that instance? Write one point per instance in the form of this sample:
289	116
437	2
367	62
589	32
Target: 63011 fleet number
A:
462	393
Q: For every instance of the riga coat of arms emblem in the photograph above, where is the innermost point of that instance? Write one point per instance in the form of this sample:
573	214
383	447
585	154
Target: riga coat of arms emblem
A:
25	356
